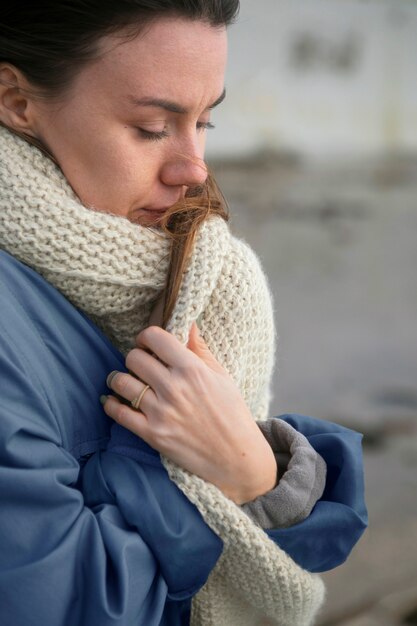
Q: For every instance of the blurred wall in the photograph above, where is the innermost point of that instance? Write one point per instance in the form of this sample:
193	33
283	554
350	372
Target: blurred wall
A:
321	78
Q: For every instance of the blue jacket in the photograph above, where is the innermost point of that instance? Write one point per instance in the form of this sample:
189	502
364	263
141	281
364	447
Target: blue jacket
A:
91	528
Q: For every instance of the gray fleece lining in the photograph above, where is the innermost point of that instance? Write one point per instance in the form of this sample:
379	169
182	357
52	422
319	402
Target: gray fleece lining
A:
299	486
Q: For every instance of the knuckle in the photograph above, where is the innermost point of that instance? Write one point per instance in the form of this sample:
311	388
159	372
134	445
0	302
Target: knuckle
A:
132	359
151	332
122	413
162	436
192	374
185	368
121	383
171	392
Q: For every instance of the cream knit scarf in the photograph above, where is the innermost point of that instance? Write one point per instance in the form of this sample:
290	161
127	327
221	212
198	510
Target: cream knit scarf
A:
115	272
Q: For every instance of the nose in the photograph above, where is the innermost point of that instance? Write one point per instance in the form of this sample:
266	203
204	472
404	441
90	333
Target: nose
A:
188	169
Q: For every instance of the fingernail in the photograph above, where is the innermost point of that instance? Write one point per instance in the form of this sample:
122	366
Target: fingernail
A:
110	377
103	399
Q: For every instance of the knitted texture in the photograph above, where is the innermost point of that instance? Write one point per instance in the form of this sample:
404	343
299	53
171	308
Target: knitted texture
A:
115	271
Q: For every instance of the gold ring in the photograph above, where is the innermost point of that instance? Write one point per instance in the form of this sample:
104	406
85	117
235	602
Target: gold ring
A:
138	399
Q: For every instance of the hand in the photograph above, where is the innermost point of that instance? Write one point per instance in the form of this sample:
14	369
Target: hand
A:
193	414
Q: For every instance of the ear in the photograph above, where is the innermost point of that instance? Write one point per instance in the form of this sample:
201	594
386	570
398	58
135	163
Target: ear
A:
16	103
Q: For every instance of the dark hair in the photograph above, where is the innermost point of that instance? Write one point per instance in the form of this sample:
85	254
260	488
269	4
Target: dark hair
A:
50	41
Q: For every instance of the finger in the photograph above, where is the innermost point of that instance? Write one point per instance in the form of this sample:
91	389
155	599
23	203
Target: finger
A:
133	420
147	367
130	388
198	346
165	346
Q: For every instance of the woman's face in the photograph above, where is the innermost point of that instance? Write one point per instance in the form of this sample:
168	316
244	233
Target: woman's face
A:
130	133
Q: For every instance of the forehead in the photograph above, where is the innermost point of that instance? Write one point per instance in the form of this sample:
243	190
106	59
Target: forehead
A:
173	58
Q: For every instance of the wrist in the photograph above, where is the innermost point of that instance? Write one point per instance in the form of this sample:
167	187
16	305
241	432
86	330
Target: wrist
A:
261	480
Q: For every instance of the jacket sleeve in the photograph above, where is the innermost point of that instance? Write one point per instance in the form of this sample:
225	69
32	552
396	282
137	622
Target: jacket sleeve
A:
108	547
302	478
317	513
326	537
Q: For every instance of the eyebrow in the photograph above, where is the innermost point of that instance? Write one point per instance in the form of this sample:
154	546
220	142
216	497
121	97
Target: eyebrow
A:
172	107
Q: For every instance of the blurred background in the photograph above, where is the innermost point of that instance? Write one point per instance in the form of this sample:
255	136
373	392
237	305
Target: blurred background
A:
315	149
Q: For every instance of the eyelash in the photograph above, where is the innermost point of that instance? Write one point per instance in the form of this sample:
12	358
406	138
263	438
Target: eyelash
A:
154	136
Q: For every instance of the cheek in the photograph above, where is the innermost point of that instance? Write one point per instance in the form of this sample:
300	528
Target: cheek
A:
107	170
119	159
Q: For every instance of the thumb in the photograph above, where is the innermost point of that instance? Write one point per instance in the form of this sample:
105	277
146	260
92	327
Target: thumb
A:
197	345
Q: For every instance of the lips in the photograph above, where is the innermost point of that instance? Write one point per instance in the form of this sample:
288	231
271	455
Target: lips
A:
150	215
156	209
155	213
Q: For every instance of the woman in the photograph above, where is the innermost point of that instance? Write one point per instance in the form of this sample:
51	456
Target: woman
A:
110	224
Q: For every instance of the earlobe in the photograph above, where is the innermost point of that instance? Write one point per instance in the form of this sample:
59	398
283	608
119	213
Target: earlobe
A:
14	100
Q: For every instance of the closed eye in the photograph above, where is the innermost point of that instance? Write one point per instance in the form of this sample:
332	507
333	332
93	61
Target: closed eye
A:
205	125
153	135
162	134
